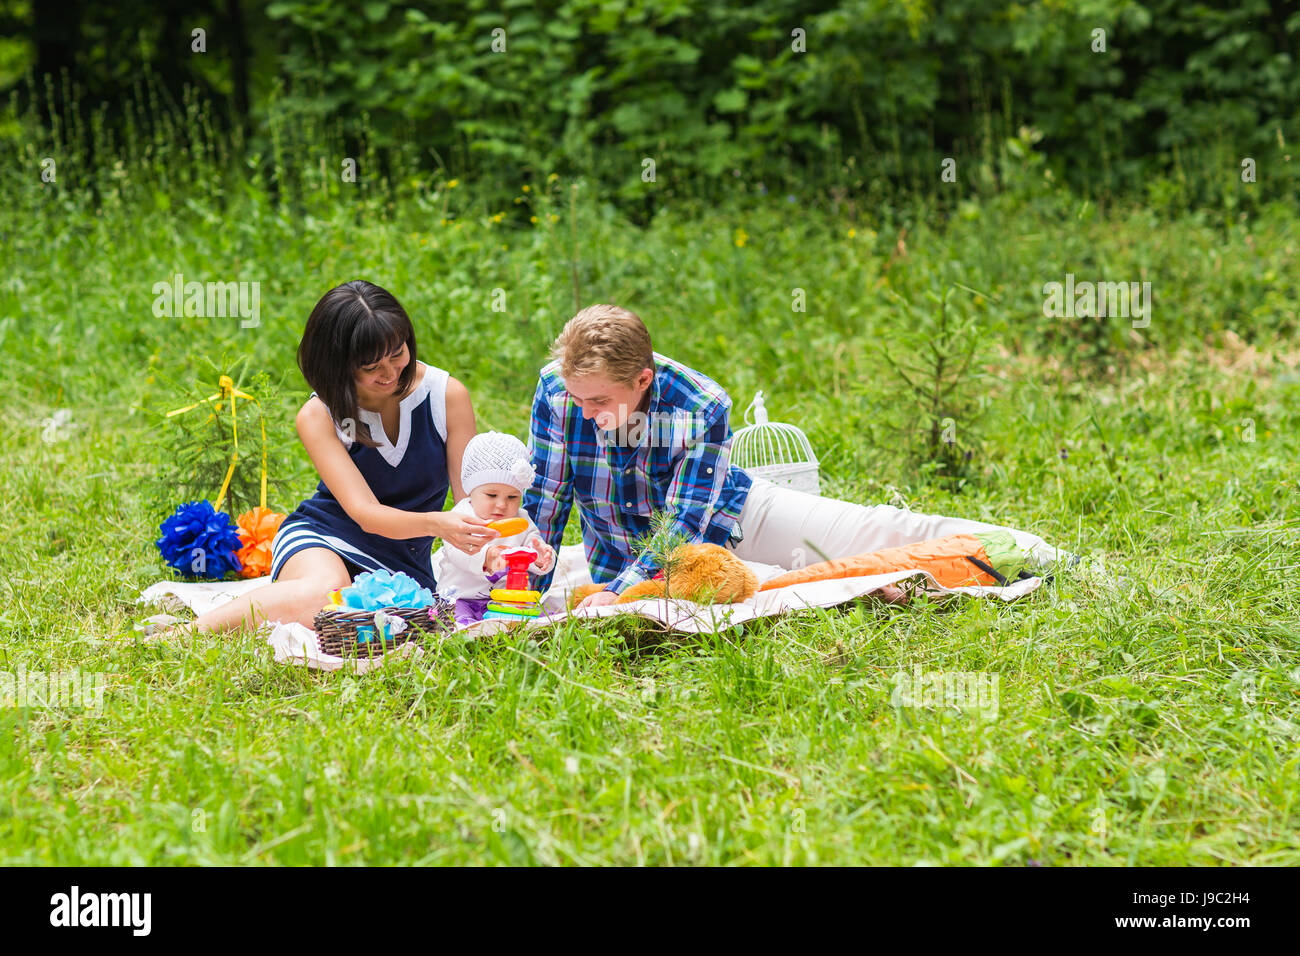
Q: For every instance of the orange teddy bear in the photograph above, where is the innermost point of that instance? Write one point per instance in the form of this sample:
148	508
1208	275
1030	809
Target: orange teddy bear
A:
703	573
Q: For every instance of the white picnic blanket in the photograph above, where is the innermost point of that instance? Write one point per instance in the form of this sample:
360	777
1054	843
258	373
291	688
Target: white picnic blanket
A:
295	644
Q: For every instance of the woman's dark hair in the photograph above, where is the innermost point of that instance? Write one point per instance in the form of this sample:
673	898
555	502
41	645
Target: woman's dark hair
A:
354	324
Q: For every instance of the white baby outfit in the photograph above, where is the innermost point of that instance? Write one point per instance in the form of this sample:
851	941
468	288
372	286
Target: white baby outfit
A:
489	458
452	567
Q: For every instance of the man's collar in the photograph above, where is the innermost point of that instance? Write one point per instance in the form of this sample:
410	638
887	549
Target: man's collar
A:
654	388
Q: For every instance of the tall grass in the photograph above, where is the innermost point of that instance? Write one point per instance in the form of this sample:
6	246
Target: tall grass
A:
1149	705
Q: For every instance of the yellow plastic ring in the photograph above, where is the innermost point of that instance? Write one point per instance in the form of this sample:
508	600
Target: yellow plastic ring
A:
520	597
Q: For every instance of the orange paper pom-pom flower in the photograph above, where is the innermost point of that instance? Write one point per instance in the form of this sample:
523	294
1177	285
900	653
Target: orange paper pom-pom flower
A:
257	530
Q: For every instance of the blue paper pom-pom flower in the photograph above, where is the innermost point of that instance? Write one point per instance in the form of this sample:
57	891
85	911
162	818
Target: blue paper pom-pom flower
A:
374	590
199	541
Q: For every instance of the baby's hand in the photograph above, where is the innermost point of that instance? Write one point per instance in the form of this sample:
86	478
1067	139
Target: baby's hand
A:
545	554
492	560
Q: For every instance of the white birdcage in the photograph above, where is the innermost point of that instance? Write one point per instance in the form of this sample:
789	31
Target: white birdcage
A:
775	451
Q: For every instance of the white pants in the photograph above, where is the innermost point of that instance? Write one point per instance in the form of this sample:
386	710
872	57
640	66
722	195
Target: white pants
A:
793	529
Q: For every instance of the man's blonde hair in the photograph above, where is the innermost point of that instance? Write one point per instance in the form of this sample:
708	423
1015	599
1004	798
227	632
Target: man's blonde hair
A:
604	340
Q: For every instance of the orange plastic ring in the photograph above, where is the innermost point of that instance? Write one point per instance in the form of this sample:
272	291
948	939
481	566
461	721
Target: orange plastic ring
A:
509	526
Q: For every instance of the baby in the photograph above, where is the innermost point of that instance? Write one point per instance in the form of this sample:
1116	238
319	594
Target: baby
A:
495	472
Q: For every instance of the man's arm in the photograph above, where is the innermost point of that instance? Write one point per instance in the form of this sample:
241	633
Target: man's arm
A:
699	475
550	498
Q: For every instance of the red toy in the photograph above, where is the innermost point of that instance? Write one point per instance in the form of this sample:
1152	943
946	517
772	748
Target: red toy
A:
515	602
518	560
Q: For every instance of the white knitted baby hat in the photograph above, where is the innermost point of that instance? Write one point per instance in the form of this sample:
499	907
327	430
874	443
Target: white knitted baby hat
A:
496	458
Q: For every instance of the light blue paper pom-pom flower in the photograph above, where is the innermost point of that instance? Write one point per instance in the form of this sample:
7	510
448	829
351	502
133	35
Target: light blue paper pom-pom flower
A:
375	590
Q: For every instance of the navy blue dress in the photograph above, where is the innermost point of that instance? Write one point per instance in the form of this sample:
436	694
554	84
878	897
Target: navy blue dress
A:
411	476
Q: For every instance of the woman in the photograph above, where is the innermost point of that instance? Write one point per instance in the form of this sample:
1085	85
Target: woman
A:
625	432
383	486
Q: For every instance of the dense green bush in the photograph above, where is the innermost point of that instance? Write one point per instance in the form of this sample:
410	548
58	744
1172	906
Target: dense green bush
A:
865	96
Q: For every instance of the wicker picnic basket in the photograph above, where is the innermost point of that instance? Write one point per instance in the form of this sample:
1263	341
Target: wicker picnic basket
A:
337	628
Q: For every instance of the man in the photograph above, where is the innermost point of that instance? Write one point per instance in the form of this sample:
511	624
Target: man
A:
626	432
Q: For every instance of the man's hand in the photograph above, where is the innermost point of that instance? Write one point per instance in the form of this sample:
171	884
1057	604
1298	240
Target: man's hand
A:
598	599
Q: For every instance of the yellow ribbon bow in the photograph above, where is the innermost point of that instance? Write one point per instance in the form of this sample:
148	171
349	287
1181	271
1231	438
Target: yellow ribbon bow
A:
228	390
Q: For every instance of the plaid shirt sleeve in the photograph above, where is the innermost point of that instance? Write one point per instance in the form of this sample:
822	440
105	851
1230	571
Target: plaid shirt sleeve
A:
550	498
699	473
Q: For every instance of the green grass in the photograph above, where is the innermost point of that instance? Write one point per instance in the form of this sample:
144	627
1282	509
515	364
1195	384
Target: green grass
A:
1149	706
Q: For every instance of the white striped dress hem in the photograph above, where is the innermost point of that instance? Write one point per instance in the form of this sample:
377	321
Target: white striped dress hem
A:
299	535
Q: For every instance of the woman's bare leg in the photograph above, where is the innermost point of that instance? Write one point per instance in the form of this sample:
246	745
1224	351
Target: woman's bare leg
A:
296	595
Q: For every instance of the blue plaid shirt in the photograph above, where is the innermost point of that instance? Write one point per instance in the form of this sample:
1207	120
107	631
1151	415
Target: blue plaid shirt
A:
682	466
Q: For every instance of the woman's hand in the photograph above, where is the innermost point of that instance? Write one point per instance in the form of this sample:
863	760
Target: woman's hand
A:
466	532
598	599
